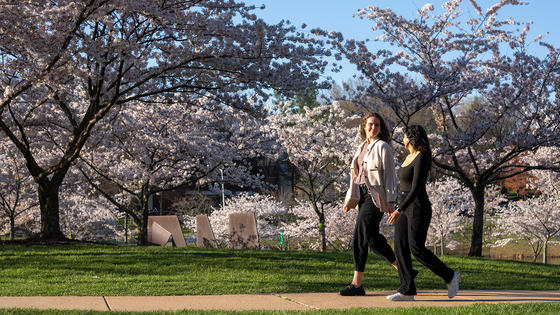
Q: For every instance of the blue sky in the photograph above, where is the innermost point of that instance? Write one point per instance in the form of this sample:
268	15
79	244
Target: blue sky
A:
336	15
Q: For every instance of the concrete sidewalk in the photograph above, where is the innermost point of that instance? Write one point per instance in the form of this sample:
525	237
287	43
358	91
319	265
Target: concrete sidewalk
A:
282	301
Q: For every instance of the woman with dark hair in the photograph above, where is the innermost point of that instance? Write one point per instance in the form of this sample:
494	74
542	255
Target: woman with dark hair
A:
373	173
413	216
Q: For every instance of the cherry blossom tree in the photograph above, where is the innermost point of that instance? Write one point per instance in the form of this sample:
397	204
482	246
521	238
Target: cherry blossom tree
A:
441	61
340	226
304	228
320	145
86	215
267	210
17	190
146	151
66	64
535	220
449	200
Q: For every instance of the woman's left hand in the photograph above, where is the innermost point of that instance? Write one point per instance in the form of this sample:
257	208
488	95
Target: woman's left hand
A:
394	217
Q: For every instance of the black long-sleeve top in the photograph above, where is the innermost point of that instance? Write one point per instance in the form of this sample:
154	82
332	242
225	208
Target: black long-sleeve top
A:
413	178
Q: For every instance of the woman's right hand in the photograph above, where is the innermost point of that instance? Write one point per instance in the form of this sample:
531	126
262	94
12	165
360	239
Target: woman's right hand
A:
394	217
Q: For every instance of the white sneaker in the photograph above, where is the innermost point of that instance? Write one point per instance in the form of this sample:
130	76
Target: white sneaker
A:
400	297
453	286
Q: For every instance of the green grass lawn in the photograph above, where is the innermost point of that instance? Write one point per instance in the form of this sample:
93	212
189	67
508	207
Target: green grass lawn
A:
132	270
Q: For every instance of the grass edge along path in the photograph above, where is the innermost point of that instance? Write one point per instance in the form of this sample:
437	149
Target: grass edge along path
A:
479	309
98	270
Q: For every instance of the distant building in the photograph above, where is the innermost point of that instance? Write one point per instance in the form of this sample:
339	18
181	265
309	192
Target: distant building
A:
518	184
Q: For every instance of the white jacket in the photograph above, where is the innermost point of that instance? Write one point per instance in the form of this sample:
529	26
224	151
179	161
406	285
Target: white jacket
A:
380	170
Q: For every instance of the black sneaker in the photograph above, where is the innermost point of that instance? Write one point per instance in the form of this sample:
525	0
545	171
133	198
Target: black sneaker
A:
352	290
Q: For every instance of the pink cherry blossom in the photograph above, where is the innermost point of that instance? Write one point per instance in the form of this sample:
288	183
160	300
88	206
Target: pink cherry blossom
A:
320	145
66	65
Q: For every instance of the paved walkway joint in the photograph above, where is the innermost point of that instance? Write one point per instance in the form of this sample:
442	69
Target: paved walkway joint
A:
281	301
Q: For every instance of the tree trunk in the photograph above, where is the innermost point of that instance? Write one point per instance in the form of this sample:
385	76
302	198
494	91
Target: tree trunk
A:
536	247
126	229
143	226
322	232
442	245
478	223
545	253
12	227
50	215
321	227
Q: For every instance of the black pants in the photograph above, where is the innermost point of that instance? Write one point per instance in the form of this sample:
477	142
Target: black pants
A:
366	233
410	237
